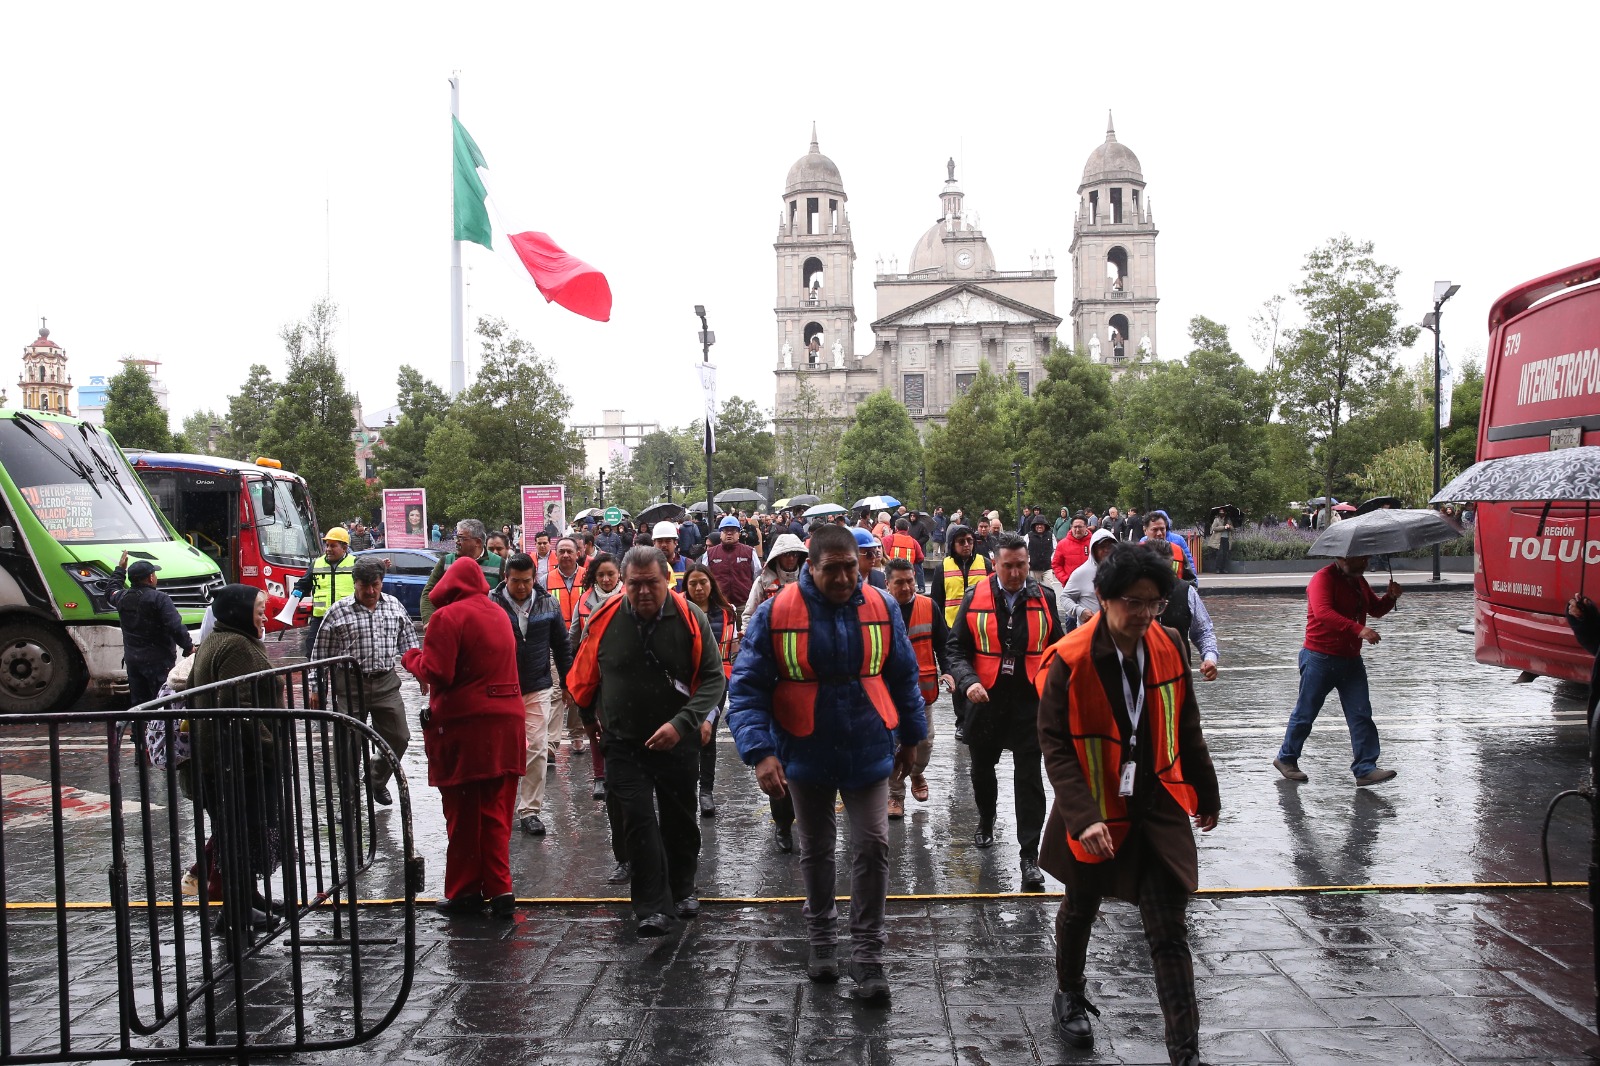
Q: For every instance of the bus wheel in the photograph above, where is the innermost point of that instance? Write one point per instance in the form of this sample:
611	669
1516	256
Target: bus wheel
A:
39	672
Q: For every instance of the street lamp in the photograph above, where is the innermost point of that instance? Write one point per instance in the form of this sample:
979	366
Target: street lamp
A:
670	465
1442	291
1016	475
1144	472
924	478
600	489
707	339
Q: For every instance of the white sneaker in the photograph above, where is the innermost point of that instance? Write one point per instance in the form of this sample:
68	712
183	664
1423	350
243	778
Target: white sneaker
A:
191	885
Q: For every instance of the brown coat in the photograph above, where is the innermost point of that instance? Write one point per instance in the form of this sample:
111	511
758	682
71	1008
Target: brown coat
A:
1160	831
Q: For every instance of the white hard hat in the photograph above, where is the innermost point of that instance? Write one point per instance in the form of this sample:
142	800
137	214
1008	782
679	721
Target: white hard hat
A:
664	531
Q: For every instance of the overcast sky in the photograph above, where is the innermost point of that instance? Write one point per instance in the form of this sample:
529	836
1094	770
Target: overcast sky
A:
183	181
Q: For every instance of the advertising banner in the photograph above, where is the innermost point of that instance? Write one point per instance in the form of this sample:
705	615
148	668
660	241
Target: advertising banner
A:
542	504
405	518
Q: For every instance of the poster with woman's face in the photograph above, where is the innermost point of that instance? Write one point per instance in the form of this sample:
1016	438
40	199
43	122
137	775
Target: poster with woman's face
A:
544	503
405	517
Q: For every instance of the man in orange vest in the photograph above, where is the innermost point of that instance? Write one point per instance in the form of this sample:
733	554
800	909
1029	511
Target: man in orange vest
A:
823	703
900	544
1120	731
564	582
997	643
925	626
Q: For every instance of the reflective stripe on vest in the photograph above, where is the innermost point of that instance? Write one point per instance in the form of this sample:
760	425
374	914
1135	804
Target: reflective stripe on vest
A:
900	546
956	586
567	599
331	582
920	630
1093	725
728	641
987	647
794	699
583	680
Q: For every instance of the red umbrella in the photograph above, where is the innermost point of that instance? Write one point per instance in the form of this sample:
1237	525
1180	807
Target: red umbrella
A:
1343	507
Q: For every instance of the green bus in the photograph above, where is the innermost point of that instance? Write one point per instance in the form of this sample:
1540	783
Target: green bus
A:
69	507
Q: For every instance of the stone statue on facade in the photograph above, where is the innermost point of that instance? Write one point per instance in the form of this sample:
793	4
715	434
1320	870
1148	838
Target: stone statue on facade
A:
788	356
838	355
1094	348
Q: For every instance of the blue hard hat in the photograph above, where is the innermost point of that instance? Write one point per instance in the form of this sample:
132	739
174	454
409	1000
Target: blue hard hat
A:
728	522
864	539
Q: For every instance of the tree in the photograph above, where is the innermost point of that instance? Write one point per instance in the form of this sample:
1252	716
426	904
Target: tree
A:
880	453
132	414
509	429
313	418
1336	363
248	413
1406	471
967	461
1073	434
1460	440
402	458
746	448
646	480
808	442
202	432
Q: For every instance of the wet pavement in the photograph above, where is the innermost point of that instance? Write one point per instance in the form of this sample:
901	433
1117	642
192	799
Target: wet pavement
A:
1333	976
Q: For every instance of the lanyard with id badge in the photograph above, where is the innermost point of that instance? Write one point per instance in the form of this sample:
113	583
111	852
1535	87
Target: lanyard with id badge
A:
1135	705
645	632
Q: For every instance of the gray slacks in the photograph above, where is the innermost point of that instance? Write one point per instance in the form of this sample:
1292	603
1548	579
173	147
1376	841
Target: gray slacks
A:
869	863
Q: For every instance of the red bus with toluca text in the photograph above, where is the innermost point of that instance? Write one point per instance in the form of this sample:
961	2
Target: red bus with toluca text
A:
1541	392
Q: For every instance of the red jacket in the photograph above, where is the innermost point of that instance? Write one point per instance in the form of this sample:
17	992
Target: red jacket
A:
468	660
1070	554
1336	609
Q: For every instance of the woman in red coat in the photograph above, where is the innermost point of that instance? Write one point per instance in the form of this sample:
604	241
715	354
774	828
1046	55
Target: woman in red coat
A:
473	737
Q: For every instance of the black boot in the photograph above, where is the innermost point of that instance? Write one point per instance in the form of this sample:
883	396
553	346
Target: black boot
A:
1071	1012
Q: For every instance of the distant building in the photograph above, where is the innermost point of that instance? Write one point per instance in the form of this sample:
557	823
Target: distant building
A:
92	397
610	443
367	440
45	384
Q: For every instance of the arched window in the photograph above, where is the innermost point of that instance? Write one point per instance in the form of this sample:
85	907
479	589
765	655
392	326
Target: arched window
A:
1119	336
1117	269
814	341
812	275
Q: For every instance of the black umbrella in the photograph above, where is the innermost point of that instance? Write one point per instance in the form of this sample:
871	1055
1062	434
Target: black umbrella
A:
1378	503
1383	532
740	496
660	512
805	499
699	507
1568	474
1235	517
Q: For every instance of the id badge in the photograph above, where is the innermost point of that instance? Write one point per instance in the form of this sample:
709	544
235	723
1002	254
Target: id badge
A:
683	690
1126	787
1008	666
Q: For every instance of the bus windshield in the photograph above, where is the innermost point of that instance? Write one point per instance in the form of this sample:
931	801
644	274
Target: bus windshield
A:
287	536
76	483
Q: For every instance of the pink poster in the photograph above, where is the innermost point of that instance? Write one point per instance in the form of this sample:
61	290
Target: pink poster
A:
405	518
541	505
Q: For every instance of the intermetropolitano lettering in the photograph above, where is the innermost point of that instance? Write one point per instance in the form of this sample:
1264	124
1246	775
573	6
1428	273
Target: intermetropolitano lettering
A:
1560	377
1553	550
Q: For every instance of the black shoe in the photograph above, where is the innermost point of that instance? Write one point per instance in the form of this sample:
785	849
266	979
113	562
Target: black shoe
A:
783	837
823	963
533	826
655	925
688	907
381	796
260	922
708	806
503	905
1032	876
871	984
1071	1012
279	907
466	905
621	874
984	837
599	792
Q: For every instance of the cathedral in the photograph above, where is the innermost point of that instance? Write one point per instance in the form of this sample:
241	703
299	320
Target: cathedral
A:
953	309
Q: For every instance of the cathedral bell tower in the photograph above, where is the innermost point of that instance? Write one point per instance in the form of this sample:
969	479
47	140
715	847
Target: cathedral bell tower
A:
45	384
1114	258
815	310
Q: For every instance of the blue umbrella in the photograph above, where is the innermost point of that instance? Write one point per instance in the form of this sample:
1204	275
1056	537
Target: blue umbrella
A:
878	503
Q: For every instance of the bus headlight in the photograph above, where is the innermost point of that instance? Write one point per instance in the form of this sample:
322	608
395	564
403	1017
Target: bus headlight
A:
95	582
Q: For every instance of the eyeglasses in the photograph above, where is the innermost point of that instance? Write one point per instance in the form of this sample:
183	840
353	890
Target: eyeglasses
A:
1137	606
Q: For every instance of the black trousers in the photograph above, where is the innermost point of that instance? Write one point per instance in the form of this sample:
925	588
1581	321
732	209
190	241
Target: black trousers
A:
1017	732
1162	903
145	680
708	761
663	847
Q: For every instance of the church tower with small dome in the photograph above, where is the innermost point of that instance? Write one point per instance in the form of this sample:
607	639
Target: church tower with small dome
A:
816	264
1114	259
45	384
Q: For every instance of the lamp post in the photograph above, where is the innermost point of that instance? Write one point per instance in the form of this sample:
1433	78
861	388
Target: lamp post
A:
1016	475
924	478
707	339
1144	472
1442	291
670	465
600	488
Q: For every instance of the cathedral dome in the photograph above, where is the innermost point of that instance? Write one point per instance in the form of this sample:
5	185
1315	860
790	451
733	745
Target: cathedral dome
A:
814	172
1112	161
929	254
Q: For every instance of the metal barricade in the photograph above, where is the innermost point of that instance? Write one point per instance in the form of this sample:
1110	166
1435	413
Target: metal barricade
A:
243	835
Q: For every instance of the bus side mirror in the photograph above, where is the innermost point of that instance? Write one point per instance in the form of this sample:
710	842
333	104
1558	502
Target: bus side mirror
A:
8	538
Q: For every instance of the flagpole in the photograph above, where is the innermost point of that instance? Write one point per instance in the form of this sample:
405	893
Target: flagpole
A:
458	361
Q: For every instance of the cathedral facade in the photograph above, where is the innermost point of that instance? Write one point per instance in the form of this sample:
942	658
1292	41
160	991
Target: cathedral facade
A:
954	310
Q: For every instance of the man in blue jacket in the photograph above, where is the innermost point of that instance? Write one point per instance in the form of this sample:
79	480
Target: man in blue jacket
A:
824	703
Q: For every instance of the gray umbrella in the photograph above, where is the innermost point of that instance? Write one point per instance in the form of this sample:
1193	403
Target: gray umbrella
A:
1568	474
1383	532
661	512
740	496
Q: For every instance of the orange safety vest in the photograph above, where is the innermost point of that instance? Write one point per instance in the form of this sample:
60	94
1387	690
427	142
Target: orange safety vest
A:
987	648
899	545
566	599
583	680
794	700
1093	725
920	630
956	586
728	643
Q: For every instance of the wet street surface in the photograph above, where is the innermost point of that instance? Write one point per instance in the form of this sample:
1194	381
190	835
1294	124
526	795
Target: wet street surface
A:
1330	973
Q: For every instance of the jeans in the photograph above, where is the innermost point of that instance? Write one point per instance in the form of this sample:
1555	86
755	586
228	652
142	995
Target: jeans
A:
1320	674
869	863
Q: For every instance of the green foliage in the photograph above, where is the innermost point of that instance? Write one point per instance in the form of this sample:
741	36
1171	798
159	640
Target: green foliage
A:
248	413
1394	416
967	459
746	447
808	443
197	432
132	414
402	458
1406	471
1338	362
1071	435
1460	443
310	426
880	454
509	429
645	481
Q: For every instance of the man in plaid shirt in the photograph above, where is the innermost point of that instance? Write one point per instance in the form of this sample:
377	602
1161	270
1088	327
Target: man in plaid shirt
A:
373	628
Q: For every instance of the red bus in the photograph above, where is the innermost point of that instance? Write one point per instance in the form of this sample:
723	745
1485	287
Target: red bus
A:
1541	391
254	519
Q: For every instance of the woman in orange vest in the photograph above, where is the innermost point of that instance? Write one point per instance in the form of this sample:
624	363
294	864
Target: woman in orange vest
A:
1120	731
700	585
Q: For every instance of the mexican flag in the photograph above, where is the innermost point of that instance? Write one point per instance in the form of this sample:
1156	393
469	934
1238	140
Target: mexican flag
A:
562	278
